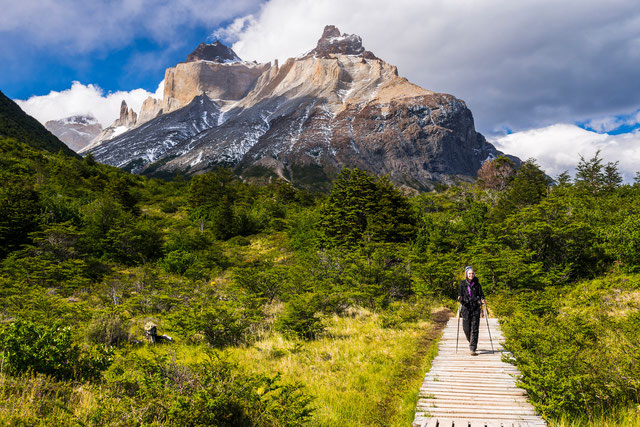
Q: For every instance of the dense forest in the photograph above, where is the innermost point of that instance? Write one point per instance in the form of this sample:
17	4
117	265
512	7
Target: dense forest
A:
285	307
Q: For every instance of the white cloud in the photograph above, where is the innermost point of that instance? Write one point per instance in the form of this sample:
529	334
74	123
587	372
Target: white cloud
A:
84	99
609	123
86	26
518	65
558	148
231	33
604	124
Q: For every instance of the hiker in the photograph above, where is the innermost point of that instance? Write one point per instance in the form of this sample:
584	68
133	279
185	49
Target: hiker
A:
471	297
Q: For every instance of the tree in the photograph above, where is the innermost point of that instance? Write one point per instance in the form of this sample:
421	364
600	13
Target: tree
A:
563	180
360	204
497	173
589	174
612	178
207	190
19	215
528	187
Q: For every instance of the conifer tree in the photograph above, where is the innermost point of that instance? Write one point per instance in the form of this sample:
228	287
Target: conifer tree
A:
360	204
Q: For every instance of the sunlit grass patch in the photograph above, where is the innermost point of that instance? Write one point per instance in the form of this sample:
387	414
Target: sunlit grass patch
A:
352	368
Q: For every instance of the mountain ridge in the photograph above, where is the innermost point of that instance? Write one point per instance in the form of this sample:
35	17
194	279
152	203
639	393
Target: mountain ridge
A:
336	106
15	123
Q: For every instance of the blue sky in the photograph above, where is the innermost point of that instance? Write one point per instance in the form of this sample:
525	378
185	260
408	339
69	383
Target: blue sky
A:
71	41
544	78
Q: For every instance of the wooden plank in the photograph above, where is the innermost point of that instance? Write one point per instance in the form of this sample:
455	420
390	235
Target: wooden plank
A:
485	405
488	412
474	391
475	402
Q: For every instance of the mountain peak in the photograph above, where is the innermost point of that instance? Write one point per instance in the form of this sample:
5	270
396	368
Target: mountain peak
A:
216	52
333	42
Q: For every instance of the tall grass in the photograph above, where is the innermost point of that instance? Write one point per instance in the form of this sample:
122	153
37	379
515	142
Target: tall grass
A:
623	417
361	374
357	370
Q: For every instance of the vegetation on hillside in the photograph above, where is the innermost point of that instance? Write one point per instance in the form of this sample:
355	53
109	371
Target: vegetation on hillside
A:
287	307
15	123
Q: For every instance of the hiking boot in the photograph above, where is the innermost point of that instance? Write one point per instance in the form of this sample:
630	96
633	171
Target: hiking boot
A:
474	353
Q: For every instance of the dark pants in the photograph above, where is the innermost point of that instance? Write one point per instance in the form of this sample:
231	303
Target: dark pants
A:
471	324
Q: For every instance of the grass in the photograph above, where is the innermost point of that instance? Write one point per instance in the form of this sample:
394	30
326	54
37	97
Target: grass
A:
624	417
360	373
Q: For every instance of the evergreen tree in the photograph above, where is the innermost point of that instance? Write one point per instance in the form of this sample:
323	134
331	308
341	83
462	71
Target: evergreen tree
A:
589	174
529	186
360	204
563	180
612	178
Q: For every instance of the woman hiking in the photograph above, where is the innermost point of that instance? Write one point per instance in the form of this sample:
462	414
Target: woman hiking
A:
471	297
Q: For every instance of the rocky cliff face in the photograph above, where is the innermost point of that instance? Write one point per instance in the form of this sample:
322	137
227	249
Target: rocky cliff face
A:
76	131
151	141
151	108
338	105
213	70
123	123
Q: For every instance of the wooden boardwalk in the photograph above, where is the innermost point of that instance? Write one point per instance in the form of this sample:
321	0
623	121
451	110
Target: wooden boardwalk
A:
462	390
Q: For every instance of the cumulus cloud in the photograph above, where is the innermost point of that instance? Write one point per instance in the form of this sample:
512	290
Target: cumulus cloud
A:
85	99
558	148
610	123
88	26
518	65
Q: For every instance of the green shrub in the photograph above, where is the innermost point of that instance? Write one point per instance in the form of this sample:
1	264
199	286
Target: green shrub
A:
107	329
226	324
390	320
578	350
27	346
215	393
263	280
177	261
222	323
301	317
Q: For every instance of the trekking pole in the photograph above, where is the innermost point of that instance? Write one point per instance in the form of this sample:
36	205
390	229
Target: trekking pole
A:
486	316
458	331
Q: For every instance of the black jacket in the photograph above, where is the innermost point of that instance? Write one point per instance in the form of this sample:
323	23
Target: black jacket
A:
473	301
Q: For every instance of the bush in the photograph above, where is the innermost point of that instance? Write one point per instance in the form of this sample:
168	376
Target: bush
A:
49	350
107	329
577	349
222	323
301	318
215	392
262	280
177	261
399	313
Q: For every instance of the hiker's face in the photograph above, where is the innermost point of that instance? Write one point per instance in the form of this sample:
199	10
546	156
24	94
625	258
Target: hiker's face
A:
470	274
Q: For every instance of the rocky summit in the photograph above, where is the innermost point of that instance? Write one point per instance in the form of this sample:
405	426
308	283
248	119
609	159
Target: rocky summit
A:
216	52
75	131
304	120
